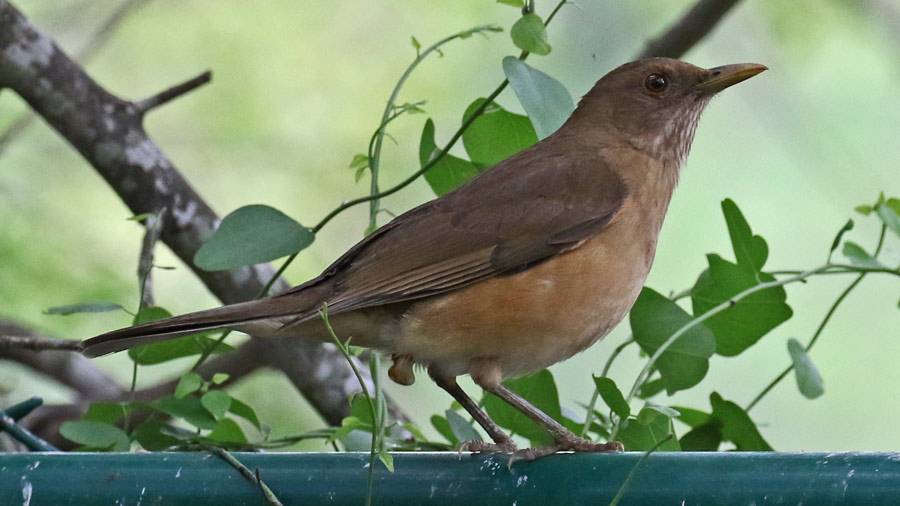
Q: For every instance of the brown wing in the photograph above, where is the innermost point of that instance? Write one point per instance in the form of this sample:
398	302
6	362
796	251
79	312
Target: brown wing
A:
525	210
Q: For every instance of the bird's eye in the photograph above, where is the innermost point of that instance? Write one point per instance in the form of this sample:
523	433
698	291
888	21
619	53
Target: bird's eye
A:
657	83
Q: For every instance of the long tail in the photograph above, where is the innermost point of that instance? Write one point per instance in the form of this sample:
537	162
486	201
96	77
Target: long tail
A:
295	305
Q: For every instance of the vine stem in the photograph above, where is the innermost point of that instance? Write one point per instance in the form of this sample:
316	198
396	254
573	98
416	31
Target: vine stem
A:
438	155
700	319
376	435
375	153
822	325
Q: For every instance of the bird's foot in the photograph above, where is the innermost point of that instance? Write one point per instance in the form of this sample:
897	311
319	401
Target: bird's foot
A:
575	444
505	446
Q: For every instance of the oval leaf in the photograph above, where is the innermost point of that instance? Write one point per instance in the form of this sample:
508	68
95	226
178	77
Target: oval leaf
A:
450	171
809	381
226	431
462	430
96	435
216	402
859	257
530	34
737	426
546	101
742	325
654	318
495	135
252	235
189	383
611	395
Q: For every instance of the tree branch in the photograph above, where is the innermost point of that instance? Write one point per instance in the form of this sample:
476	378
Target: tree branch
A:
99	38
689	29
173	92
109	134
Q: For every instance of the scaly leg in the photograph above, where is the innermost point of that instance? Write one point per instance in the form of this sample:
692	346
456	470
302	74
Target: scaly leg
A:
502	442
564	438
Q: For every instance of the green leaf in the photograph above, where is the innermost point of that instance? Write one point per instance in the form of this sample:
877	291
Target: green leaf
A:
219	378
859	257
611	395
84	307
164	351
889	212
660	410
462	430
226	431
654	318
546	101
244	411
864	210
837	239
361	409
737	426
151	314
450	171
151	437
359	160
417	45
692	417
104	412
514	3
188	409
359	163
348	425
387	459
441	425
809	381
540	390
738	327
529	34
495	135
189	383
252	235
642	437
703	438
651	388
96	435
750	251
416	433
217	403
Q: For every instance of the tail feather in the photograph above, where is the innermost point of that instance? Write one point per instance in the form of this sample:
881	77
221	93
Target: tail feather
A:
297	304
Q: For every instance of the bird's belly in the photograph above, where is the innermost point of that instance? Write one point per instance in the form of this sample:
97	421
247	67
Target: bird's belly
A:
533	319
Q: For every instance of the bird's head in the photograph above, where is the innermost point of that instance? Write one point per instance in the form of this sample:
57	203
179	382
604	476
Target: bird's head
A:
655	104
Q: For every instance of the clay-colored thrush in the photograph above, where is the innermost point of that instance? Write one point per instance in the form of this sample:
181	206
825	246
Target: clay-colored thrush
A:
524	266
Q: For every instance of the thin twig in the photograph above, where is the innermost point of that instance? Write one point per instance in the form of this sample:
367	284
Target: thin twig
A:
37	343
689	29
246	472
153	225
172	93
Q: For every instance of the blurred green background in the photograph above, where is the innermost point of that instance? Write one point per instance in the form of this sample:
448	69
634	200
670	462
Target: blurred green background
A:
299	86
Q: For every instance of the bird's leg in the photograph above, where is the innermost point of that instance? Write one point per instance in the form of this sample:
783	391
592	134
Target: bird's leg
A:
563	438
502	442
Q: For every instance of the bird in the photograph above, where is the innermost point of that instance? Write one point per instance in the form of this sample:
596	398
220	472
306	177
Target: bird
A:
525	265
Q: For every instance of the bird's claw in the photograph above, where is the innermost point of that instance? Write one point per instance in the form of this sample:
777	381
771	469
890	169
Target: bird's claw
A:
507	446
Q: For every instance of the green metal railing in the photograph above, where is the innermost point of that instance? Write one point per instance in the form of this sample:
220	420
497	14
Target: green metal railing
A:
447	478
